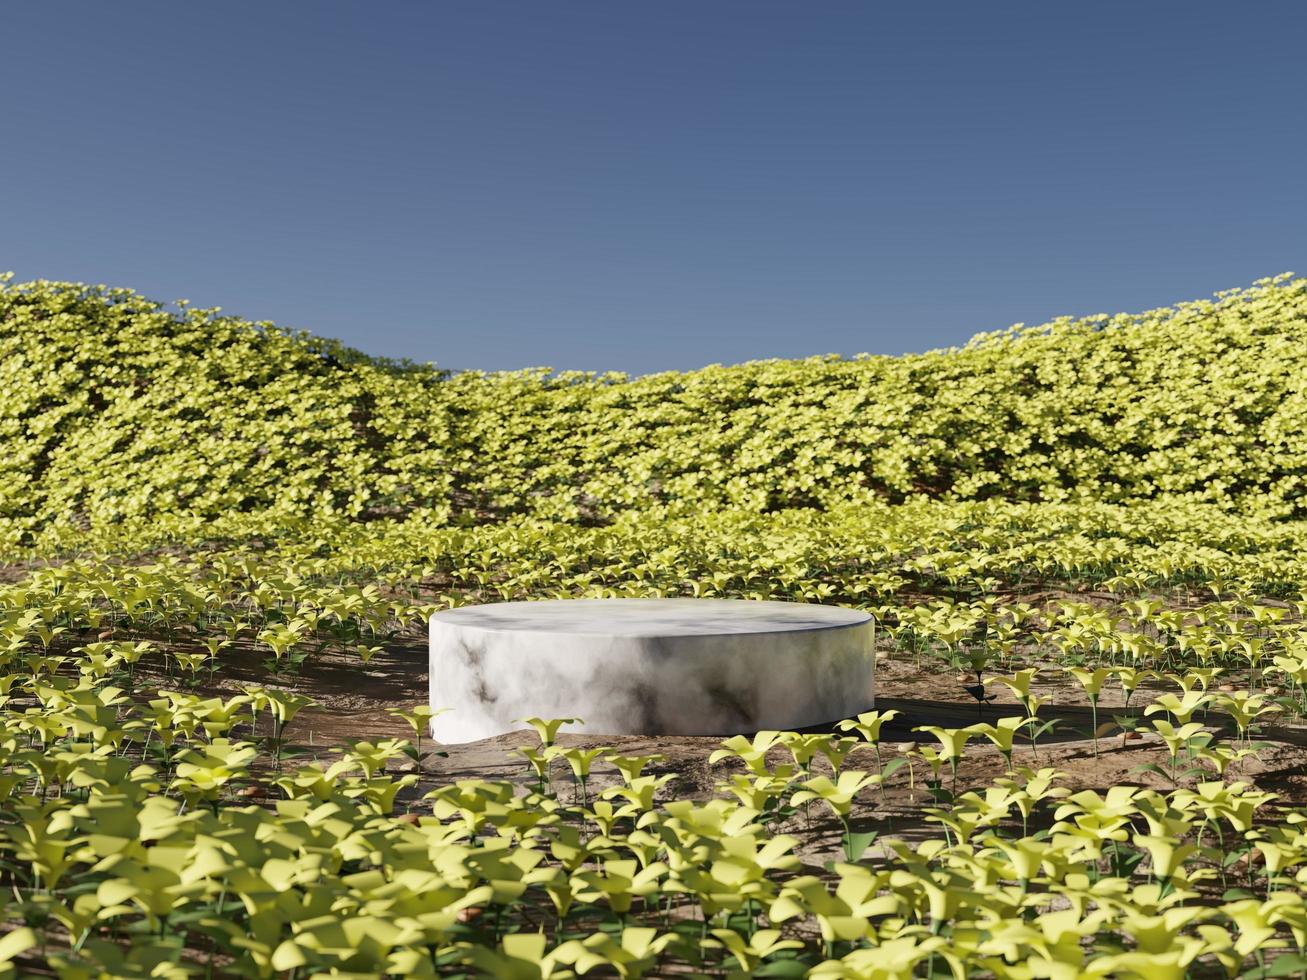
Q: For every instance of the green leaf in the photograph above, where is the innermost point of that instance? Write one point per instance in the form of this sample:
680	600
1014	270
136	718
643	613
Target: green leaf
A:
856	844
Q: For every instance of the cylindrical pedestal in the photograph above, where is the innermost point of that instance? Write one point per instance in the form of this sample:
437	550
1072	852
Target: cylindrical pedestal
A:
649	666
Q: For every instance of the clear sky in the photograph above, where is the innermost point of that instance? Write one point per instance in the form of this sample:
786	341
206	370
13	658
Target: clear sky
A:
645	186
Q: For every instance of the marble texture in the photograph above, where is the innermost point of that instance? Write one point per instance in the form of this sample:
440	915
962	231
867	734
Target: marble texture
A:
649	666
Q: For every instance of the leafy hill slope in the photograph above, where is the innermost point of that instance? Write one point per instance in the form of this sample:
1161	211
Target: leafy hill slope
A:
119	412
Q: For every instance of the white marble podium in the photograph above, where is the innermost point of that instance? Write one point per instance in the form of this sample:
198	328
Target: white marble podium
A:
649	666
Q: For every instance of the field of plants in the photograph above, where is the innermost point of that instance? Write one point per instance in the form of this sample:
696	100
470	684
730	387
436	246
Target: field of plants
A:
1085	544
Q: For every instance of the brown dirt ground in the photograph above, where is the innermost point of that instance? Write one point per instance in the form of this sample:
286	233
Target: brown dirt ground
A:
353	700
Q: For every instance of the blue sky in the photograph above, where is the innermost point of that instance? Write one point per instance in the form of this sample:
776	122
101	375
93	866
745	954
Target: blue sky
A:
646	186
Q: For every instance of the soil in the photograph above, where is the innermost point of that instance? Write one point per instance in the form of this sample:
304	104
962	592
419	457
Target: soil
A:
353	700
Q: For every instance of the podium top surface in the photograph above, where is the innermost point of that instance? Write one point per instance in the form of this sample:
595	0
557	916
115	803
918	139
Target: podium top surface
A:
650	617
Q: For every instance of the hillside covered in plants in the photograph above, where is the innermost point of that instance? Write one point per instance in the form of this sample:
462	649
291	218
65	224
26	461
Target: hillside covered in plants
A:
121	416
1085	546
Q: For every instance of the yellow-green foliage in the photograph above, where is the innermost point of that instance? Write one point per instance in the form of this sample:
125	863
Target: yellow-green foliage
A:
1114	502
129	833
119	411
